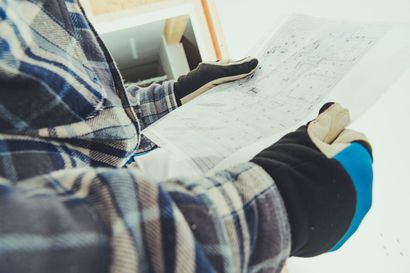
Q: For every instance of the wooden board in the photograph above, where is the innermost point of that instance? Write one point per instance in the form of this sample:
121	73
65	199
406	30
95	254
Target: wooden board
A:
100	7
174	29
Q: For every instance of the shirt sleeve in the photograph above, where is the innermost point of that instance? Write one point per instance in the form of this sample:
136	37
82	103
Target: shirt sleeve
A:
153	102
117	220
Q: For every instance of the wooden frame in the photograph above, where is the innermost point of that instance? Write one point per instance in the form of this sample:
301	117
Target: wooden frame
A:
111	15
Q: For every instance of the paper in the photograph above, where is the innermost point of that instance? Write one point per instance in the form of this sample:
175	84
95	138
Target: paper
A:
299	67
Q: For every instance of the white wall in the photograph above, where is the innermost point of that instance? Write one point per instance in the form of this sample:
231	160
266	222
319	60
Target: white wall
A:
245	21
382	244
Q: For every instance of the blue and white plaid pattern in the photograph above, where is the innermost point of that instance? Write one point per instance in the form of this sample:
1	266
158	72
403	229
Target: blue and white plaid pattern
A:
68	126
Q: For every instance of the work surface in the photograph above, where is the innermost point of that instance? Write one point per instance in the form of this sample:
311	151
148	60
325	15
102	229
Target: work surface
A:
382	244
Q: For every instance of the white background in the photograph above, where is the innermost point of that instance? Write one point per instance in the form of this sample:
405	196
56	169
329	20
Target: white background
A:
382	243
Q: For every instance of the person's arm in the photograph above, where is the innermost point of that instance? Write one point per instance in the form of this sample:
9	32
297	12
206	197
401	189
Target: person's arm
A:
155	101
303	196
116	220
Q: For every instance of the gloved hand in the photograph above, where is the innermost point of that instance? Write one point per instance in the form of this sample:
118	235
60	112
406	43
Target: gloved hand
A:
324	174
210	74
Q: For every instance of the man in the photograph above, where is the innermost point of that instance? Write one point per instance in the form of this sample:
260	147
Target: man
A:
68	126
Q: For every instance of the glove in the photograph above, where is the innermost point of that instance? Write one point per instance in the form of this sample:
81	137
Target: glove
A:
208	75
324	174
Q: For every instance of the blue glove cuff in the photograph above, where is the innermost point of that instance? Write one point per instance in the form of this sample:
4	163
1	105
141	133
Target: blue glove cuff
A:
357	162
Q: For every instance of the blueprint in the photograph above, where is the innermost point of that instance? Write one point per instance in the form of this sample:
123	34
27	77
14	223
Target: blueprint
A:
299	66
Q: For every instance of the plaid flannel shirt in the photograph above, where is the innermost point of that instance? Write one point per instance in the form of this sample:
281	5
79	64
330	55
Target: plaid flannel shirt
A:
67	204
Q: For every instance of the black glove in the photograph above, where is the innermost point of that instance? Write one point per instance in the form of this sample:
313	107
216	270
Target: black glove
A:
208	75
324	174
